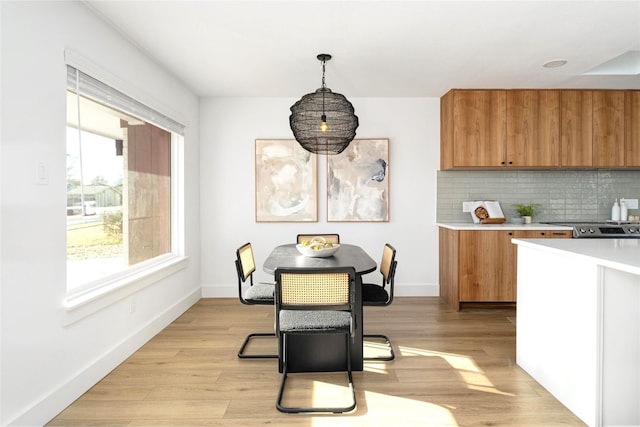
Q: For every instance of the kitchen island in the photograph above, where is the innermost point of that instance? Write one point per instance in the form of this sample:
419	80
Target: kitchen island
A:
578	324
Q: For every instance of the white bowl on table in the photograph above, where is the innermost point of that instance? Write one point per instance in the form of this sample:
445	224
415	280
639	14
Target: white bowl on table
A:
317	253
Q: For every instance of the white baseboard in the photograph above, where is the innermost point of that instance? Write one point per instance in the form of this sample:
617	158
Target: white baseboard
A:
400	290
49	406
219	291
416	290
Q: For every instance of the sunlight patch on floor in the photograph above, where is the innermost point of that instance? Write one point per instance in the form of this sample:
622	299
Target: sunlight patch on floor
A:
376	368
372	348
305	390
400	411
465	366
382	410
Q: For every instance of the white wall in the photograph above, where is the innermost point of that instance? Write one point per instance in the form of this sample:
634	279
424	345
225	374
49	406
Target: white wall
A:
45	364
228	130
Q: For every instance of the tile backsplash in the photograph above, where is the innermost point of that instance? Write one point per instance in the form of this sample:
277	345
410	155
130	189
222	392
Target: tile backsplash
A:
563	195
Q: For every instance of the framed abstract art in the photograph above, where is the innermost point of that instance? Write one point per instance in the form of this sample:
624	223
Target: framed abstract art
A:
286	182
358	182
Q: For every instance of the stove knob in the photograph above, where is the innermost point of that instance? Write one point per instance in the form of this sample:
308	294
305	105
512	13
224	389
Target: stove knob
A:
591	230
582	230
633	230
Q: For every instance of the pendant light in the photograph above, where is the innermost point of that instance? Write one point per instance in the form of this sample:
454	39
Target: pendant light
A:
323	122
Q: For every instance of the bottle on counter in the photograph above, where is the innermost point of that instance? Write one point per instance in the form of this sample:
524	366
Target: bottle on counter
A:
623	210
615	211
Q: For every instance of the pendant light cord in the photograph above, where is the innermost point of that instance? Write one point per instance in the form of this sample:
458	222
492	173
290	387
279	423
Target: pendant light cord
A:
324	86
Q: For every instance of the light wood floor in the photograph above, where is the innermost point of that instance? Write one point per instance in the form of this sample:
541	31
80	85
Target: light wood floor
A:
451	369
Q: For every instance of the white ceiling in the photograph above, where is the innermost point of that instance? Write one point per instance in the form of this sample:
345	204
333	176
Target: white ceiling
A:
382	48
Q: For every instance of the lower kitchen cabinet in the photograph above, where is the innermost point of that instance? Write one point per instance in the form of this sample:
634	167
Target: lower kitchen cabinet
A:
480	266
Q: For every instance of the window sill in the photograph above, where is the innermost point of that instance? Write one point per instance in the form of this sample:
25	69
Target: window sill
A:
76	307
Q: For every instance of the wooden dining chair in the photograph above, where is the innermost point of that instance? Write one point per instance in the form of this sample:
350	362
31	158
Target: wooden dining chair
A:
331	237
312	302
382	295
254	294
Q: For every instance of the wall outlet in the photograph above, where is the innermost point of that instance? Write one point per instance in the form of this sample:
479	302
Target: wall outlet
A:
631	203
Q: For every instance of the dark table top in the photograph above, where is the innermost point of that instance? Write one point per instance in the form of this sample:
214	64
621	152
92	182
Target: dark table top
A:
347	256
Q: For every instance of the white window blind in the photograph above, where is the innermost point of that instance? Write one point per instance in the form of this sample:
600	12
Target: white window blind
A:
105	94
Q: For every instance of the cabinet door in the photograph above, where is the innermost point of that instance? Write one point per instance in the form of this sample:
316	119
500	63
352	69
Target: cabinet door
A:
542	234
529	234
632	126
448	267
479	128
533	128
487	261
446	131
608	128
576	117
559	234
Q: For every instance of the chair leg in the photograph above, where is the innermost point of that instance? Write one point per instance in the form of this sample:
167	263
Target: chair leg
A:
295	410
242	355
388	342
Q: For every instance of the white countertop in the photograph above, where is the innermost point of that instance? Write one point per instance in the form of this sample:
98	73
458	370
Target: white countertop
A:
619	254
503	226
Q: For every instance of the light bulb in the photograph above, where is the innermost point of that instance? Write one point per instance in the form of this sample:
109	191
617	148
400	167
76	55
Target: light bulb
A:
323	125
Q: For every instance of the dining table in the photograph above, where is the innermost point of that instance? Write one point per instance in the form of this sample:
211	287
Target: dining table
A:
318	353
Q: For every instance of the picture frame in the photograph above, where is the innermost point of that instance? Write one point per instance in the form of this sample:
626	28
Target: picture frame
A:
358	182
286	182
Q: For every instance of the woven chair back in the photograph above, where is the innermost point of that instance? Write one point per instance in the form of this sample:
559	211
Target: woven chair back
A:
315	289
388	256
247	263
331	238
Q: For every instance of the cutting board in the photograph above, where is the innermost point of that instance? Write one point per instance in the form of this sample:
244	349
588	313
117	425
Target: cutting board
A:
492	220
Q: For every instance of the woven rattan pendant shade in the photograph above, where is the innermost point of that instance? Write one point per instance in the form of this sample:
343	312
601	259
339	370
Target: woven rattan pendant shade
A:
323	105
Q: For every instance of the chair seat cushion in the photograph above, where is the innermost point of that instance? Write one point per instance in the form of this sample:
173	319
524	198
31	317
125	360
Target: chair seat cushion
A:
314	321
260	292
374	293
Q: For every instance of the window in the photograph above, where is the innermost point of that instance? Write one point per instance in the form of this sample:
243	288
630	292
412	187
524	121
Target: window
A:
120	196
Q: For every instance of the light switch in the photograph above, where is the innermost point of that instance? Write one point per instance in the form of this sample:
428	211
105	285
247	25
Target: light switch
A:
468	206
42	173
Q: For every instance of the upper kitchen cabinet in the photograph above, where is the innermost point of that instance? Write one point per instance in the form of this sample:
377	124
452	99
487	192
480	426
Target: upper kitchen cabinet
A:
533	128
599	129
608	128
495	129
632	129
540	129
576	113
473	127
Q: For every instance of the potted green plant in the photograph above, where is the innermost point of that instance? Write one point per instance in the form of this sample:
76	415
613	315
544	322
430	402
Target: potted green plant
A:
527	211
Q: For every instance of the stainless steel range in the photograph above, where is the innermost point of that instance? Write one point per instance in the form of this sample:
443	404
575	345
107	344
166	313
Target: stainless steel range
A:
604	229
